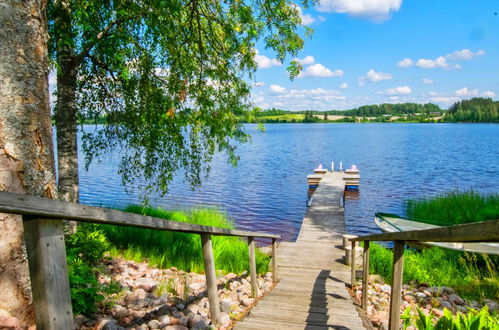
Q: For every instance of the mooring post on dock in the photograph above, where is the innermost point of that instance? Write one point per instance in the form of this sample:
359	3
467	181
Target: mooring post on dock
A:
274	261
254	282
352	263
398	271
365	275
332	166
211	278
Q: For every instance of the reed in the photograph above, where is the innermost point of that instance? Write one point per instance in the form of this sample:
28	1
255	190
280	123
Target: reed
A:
165	249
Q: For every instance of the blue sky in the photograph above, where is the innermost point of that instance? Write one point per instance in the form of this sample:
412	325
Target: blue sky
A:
393	51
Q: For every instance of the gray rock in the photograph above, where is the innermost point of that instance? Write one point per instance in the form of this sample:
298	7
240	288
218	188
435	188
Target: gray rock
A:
386	288
226	305
198	326
176	327
194	308
145	283
137	299
493	306
410	298
180	307
194	319
154	324
455	299
119	312
224	319
163	310
108	323
447	290
164	320
448	305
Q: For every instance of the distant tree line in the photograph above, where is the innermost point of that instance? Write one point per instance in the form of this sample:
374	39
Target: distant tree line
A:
475	110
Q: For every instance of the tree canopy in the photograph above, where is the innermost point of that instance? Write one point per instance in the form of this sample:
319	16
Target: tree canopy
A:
169	76
477	109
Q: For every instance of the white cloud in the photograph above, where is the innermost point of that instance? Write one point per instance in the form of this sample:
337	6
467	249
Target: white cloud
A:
427	81
464	54
465	92
444	99
306	60
264	62
277	89
401	90
376	10
439	62
489	94
306	19
344	85
405	63
319	70
374	76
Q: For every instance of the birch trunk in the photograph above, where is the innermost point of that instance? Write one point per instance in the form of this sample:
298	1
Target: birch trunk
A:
26	148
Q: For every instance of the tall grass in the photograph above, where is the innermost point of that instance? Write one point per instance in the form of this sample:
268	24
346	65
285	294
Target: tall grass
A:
173	249
472	276
454	208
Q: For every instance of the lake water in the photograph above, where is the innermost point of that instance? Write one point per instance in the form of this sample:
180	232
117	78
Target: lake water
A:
267	191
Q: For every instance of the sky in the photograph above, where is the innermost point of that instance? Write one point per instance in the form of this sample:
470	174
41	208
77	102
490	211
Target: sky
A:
387	51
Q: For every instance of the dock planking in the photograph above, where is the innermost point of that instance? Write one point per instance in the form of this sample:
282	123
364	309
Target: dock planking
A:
311	292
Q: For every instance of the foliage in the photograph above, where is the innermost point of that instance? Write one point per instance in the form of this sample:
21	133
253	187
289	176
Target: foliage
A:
473	276
85	249
166	249
454	208
473	320
170	77
477	109
376	110
310	118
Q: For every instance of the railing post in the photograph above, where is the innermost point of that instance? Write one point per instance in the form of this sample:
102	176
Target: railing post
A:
398	272
48	273
365	275
211	278
252	260
352	263
274	261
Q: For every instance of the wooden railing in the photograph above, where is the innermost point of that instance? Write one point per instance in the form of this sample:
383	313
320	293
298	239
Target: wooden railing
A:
486	231
44	236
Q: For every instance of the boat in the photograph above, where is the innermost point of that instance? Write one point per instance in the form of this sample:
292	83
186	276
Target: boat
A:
390	223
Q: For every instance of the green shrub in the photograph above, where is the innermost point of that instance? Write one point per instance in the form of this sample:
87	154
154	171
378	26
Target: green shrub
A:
473	320
84	250
166	249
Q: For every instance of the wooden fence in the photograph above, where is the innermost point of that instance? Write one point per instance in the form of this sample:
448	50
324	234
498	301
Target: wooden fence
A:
44	236
486	231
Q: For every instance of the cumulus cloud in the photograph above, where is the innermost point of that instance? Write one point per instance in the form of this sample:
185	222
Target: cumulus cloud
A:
405	63
344	85
277	89
306	19
464	54
376	10
259	84
318	94
444	99
465	92
307	60
401	90
441	61
489	94
427	81
319	70
264	62
374	76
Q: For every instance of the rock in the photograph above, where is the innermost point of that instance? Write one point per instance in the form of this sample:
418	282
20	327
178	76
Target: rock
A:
136	299
183	321
107	323
455	299
226	305
4	313
194	319
196	287
375	278
224	319
9	323
383	325
493	306
462	309
246	302
180	307
448	305
427	293
447	290
119	312
386	288
154	324
145	283
164	320
437	312
198	326
163	310
230	276
194	308
410	298
78	321
176	327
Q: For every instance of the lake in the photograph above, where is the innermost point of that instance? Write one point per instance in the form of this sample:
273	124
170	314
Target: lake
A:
267	191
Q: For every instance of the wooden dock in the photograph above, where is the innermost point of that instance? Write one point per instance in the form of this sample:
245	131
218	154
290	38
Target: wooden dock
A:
311	293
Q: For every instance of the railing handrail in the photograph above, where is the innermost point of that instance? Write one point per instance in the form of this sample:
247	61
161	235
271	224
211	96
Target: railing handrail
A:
484	231
38	207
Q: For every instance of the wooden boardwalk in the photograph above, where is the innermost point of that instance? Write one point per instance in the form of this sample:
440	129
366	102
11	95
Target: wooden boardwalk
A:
311	293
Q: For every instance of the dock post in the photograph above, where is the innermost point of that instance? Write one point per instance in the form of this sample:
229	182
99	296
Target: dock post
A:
211	278
274	261
48	273
398	271
365	275
352	262
252	259
332	166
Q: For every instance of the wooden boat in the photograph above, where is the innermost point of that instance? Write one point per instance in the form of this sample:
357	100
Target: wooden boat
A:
393	223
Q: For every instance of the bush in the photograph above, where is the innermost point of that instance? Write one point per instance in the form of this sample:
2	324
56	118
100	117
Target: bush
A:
84	250
474	320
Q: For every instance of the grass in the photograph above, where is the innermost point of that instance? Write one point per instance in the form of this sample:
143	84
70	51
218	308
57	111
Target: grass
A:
165	249
473	276
454	208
